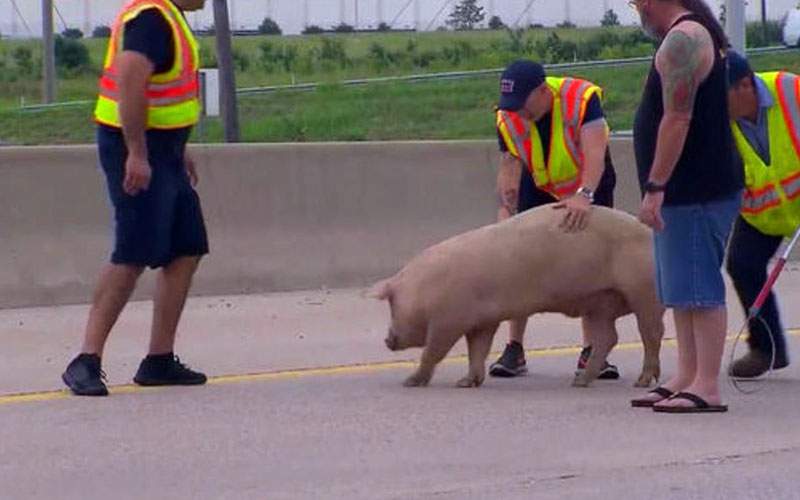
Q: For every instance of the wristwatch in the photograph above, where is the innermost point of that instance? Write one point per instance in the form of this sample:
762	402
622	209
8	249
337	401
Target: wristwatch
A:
652	187
586	193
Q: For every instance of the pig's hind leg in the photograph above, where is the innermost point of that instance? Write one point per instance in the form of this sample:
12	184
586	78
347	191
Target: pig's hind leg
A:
437	345
479	343
602	333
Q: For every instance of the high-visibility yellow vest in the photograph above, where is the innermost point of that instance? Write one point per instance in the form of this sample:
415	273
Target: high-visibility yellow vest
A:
172	97
772	192
561	173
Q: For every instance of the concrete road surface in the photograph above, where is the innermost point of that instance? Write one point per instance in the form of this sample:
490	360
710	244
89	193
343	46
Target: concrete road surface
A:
306	403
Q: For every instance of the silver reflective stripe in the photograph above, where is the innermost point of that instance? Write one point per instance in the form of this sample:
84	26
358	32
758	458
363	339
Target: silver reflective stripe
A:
158	87
792	106
572	122
758	203
159	101
791	188
519	141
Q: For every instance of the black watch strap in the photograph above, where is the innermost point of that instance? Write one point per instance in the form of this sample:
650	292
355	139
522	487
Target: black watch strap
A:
652	187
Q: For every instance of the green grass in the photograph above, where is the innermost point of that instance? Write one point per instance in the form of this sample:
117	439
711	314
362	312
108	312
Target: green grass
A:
488	50
391	111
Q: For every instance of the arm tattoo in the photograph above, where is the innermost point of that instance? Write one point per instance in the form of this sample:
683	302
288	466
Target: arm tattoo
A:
682	56
509	199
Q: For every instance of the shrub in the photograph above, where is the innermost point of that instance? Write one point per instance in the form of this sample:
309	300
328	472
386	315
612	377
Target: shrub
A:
344	28
72	33
71	54
23	60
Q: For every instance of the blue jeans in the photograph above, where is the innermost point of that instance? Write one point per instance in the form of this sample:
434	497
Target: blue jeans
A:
689	253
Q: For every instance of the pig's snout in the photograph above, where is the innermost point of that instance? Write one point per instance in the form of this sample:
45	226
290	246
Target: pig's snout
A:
392	342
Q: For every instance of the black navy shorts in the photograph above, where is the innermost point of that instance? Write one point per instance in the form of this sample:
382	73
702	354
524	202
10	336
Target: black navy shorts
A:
163	223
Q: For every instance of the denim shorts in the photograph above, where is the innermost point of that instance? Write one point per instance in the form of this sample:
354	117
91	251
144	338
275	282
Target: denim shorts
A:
162	223
689	253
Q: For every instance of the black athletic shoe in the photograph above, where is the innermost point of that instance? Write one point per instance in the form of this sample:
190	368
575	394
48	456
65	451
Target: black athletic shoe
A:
609	371
166	369
84	376
511	363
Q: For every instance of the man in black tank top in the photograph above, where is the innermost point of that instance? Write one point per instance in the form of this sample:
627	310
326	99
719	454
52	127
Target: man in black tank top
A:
692	183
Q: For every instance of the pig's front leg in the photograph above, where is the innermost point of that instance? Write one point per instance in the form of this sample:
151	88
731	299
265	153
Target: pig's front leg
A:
479	343
437	345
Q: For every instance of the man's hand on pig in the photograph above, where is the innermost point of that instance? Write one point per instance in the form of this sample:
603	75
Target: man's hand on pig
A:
578	209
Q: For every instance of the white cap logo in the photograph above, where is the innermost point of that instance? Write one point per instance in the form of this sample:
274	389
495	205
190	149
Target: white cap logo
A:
506	86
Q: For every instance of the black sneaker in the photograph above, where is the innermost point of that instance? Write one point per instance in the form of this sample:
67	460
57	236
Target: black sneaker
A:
511	363
84	377
609	371
166	369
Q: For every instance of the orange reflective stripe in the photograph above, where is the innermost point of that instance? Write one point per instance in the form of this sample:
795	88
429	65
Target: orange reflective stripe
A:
566	188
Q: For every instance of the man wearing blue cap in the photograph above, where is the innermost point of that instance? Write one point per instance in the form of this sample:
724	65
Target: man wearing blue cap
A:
765	112
555	130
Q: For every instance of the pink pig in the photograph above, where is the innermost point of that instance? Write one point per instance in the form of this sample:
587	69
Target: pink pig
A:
468	284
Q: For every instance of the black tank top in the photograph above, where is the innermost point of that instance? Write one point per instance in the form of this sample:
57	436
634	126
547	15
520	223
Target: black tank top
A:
708	168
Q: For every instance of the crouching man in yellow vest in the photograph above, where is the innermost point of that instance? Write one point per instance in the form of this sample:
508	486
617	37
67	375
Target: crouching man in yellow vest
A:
765	109
553	140
147	106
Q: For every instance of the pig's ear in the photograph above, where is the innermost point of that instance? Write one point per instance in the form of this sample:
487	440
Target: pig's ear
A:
381	290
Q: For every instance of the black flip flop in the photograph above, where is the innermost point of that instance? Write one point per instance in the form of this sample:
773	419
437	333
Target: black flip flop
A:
661	391
700	405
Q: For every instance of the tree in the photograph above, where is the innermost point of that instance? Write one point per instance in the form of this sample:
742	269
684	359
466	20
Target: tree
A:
566	24
723	14
495	23
610	18
73	33
101	32
269	27
466	15
384	27
313	30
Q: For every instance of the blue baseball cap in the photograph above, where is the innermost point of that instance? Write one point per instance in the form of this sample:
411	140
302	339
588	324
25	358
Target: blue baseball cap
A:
738	67
517	82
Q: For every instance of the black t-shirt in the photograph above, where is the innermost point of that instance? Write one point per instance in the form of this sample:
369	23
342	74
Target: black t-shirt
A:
709	167
150	34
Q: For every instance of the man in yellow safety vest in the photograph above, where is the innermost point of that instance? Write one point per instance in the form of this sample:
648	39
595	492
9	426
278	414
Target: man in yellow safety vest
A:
553	140
765	110
147	106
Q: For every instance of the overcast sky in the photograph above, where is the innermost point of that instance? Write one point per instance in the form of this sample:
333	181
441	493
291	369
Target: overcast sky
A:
292	15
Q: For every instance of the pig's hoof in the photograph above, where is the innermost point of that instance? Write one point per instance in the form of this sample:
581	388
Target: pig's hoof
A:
415	381
580	380
645	380
469	381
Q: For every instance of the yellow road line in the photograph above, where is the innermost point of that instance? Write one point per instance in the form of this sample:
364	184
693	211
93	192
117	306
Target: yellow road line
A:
546	352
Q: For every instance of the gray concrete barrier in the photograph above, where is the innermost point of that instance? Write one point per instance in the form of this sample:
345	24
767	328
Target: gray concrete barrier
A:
280	216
